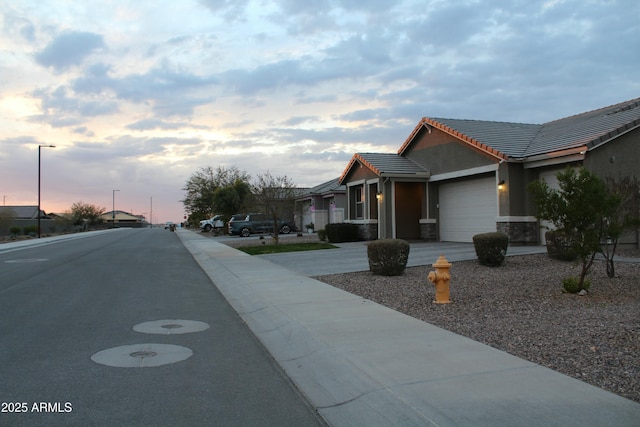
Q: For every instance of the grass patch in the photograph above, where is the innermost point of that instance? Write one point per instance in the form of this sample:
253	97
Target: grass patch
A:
292	247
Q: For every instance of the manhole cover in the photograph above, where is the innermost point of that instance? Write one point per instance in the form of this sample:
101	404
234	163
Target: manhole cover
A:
170	326
142	355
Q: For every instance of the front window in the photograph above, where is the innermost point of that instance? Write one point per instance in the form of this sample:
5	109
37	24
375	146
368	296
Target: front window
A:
359	197
356	202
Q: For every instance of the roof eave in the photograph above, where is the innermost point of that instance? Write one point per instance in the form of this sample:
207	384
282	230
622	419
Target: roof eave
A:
616	133
569	155
412	135
405	175
357	158
426	122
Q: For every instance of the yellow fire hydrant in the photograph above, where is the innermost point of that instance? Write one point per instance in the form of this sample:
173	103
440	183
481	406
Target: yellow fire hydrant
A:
441	278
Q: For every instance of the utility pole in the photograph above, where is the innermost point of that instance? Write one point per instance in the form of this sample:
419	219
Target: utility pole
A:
113	210
39	147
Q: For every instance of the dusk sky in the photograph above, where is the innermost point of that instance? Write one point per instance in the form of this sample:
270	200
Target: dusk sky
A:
139	95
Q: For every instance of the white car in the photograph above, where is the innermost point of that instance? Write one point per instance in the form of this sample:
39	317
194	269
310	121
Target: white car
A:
211	223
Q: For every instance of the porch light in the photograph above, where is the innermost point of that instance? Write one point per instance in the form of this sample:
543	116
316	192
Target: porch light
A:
501	185
379	196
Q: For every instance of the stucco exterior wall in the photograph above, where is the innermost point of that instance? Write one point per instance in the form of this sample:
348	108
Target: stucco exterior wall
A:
442	153
358	172
617	158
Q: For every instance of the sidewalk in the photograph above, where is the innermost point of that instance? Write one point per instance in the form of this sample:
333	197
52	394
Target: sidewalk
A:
360	363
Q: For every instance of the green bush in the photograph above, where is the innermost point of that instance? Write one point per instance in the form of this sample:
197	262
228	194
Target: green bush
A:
31	230
388	257
15	230
571	284
342	232
322	235
560	246
491	248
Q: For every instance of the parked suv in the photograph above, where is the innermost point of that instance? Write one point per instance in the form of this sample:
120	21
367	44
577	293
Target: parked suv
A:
247	224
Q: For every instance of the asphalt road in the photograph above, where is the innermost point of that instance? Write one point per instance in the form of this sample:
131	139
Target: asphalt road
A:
60	304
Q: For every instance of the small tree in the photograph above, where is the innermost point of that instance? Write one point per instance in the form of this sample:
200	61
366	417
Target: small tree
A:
275	196
231	199
201	187
625	219
578	209
82	213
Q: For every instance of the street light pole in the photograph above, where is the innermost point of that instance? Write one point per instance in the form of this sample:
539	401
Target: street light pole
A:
113	210
39	147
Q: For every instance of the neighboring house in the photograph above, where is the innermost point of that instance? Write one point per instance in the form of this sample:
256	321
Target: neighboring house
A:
123	219
24	216
23	212
452	179
323	204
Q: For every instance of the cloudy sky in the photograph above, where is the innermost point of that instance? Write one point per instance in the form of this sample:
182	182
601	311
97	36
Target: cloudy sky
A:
139	95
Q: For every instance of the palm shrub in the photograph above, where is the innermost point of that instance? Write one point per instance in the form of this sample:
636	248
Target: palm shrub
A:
388	257
491	248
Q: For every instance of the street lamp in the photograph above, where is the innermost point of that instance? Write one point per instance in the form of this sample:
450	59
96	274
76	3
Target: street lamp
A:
113	210
39	147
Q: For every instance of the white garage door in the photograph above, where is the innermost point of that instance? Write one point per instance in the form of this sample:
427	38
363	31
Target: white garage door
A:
467	208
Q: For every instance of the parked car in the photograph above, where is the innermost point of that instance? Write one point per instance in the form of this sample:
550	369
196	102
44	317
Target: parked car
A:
212	223
247	224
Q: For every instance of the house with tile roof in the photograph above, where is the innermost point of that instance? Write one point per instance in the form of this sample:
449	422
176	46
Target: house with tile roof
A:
23	212
321	205
452	178
24	216
123	219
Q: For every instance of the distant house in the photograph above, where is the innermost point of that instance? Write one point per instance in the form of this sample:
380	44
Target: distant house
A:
452	179
323	204
23	212
24	216
123	219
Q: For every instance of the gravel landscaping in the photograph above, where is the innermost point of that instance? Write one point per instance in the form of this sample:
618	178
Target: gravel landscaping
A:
520	308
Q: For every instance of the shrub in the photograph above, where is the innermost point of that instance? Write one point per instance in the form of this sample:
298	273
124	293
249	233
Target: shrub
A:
491	248
15	230
342	232
571	284
322	235
388	257
560	246
31	230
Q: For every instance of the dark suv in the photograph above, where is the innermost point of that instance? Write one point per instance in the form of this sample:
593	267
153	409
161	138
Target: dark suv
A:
247	224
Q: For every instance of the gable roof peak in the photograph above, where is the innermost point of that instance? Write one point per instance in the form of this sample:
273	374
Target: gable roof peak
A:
386	164
478	133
